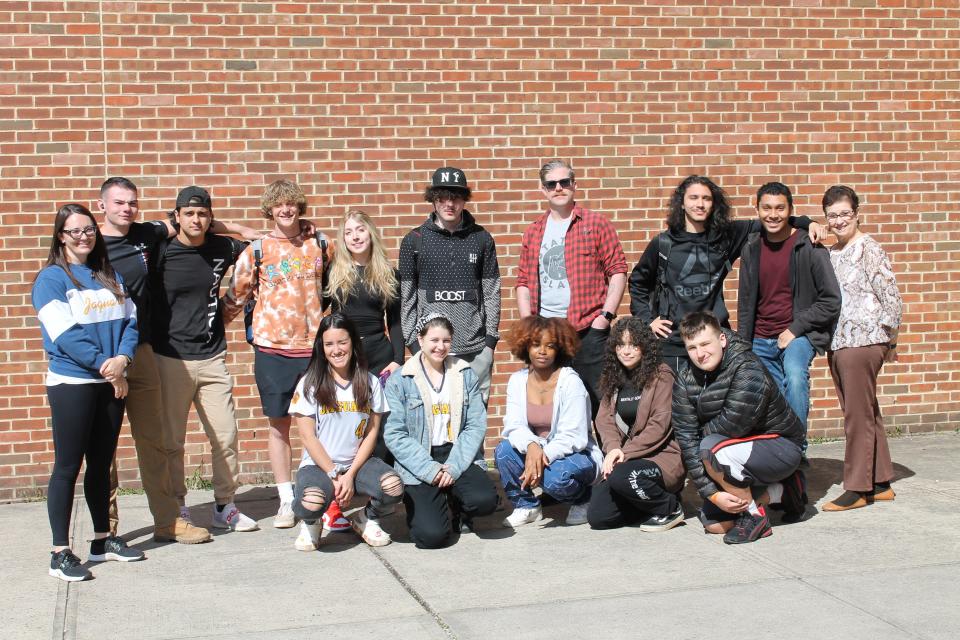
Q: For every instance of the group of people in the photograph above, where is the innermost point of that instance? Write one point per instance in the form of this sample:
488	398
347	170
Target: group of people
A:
609	415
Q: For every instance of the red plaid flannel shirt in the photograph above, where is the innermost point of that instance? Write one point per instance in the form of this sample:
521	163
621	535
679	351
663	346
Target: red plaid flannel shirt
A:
592	254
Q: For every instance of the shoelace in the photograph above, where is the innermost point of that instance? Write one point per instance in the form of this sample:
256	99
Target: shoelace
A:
69	561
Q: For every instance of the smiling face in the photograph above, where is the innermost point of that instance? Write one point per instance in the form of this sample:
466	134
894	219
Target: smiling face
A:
842	220
697	206
705	348
774	211
286	217
77	249
630	355
120	207
356	238
337	349
543	352
435	344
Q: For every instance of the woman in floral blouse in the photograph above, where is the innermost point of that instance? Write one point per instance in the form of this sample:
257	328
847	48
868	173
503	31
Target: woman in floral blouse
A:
865	338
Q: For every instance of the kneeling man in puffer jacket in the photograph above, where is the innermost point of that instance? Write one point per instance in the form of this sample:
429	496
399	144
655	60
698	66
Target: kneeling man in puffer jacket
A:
739	438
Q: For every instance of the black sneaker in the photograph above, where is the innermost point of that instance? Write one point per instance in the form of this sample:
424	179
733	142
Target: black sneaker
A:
113	548
663	523
66	566
748	528
794	500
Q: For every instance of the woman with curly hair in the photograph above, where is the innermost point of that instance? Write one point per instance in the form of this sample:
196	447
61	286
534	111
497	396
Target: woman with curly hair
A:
642	471
683	268
546	427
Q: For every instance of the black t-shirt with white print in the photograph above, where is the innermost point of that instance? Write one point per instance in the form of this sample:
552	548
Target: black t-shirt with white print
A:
186	318
134	256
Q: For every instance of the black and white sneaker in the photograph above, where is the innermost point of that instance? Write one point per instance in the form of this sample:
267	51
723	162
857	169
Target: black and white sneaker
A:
113	548
663	523
66	566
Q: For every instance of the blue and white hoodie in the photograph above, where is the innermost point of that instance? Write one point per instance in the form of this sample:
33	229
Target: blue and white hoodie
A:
81	328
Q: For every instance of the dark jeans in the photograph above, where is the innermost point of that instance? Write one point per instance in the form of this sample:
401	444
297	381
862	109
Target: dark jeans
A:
633	492
86	424
366	482
588	363
428	508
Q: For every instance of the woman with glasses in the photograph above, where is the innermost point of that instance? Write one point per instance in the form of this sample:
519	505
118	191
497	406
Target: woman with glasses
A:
89	329
865	338
546	428
642	471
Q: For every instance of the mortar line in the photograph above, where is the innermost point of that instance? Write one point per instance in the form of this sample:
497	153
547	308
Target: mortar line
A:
103	89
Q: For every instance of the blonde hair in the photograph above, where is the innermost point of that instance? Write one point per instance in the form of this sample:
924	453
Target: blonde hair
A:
282	192
379	276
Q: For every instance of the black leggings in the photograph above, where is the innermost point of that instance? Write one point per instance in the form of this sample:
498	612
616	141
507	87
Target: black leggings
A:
86	424
632	492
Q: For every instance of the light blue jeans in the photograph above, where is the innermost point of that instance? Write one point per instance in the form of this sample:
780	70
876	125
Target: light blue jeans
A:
790	369
566	479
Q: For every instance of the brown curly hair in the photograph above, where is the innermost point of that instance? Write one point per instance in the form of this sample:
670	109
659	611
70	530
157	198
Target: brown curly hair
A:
527	331
614	375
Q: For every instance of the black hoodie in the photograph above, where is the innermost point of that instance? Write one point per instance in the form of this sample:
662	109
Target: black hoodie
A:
453	273
697	264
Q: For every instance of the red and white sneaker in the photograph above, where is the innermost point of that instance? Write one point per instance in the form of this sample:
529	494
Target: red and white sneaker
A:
334	521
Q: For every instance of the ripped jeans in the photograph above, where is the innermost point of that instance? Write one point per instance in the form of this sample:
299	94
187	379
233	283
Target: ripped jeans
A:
374	479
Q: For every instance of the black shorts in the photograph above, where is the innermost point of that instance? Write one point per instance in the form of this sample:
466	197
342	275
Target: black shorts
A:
277	378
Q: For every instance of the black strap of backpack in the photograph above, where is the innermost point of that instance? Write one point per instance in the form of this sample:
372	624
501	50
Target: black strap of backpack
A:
664	245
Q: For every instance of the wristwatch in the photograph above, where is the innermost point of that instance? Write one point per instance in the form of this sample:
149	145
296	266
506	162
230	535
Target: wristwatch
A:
609	316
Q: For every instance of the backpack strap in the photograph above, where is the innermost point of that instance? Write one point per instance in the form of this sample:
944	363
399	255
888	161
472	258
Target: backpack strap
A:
417	243
257	261
662	302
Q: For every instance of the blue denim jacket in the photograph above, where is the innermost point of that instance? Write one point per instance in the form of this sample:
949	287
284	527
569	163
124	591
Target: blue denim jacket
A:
407	431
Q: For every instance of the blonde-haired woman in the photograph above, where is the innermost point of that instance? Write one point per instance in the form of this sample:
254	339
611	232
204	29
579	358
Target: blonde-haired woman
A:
364	286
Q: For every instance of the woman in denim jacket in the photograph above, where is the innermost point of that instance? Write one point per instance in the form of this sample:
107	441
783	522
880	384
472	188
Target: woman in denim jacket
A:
435	432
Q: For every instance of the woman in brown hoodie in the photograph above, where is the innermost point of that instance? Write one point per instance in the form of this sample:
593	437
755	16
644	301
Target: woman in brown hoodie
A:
642	469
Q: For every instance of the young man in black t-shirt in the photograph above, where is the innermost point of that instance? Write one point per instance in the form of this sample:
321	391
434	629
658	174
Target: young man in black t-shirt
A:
132	248
189	340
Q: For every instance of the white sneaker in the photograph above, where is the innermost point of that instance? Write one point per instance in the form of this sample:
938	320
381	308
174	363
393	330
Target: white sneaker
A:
185	514
522	516
231	518
284	518
309	537
577	514
369	529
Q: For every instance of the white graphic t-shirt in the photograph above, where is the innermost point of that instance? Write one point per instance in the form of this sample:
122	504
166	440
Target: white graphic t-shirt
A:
441	431
340	432
554	288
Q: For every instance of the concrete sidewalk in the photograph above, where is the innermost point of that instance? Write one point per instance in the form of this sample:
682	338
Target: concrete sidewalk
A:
891	570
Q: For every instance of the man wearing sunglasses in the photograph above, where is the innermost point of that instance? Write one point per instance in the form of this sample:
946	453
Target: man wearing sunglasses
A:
572	266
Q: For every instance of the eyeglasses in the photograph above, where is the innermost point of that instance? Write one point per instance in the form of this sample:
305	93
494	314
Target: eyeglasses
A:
76	234
566	183
841	215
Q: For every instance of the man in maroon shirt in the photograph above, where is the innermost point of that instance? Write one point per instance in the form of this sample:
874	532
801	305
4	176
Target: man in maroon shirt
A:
789	298
572	266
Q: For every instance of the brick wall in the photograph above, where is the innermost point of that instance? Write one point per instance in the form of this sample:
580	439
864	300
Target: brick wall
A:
359	101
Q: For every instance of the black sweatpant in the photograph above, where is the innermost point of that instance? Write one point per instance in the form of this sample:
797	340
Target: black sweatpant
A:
428	508
633	492
86	424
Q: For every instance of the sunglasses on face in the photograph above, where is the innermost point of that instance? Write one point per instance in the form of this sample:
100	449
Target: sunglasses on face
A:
76	234
566	183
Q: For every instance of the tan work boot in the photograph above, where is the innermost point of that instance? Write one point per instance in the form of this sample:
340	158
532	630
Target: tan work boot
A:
181	531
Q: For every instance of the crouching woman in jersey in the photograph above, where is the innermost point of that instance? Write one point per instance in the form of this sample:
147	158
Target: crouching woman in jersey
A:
435	432
337	406
89	328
